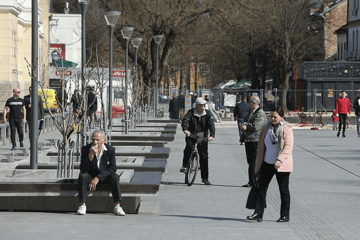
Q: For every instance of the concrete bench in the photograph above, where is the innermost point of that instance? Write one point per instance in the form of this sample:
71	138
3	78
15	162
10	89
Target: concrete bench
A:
158	144
122	162
20	190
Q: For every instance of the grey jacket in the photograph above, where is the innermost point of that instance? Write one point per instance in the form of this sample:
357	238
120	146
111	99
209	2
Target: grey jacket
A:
254	125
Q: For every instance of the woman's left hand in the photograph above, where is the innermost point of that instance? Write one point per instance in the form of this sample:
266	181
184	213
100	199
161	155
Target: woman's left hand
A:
277	165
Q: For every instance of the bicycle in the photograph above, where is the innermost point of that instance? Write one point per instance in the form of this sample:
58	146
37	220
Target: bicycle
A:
193	165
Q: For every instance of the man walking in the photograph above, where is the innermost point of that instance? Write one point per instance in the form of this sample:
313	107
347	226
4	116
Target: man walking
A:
241	111
16	120
27	101
252	127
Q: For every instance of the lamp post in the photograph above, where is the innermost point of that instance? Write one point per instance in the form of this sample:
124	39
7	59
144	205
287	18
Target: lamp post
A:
84	5
157	40
136	44
111	19
34	84
126	32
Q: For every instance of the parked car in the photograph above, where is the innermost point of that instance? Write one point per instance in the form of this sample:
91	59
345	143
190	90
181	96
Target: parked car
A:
51	99
164	98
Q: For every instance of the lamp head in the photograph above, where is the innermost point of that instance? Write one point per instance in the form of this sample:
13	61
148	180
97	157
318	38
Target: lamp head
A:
136	42
112	17
84	1
126	32
158	38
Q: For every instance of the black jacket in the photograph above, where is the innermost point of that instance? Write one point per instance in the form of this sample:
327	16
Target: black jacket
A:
92	102
192	123
357	107
241	110
107	164
27	101
174	108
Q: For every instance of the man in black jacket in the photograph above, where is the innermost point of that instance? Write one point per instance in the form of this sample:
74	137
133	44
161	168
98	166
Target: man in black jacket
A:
27	100
357	113
98	165
198	120
241	111
91	105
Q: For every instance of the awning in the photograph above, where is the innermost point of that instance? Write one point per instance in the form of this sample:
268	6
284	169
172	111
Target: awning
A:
243	83
66	63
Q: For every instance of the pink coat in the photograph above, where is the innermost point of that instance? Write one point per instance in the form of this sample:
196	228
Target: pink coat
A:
286	142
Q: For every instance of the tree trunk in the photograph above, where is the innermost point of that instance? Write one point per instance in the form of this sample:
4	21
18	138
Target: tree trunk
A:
283	88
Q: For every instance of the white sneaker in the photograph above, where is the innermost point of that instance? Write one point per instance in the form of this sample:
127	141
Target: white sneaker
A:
119	211
81	210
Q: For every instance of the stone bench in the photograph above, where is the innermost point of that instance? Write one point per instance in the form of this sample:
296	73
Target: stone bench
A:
139	143
38	190
124	162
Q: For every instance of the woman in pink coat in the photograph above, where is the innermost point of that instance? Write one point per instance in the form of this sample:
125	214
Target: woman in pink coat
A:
274	157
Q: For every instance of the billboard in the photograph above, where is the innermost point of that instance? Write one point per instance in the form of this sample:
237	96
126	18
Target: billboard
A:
58	47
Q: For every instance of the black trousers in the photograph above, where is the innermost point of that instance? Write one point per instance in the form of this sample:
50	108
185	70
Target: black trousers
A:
251	152
203	153
266	173
342	121
16	124
113	180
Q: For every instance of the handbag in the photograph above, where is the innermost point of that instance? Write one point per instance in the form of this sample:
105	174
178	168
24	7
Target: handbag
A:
242	137
252	197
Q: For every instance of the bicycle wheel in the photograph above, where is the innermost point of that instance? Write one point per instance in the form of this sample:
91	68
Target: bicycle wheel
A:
192	168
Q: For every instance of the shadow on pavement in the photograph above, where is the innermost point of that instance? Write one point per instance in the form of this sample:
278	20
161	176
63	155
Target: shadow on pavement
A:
211	218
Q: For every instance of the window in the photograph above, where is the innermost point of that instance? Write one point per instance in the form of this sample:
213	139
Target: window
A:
203	71
357	40
338	57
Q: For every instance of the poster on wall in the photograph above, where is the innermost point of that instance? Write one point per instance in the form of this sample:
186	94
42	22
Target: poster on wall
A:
58	47
173	89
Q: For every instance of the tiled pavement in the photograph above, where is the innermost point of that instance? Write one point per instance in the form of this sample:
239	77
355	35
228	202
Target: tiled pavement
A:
324	187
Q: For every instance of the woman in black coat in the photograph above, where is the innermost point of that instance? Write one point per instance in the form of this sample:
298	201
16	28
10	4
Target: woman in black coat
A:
174	107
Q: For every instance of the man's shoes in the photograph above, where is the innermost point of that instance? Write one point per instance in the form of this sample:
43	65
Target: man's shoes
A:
183	169
255	217
81	210
241	143
338	134
21	144
283	219
206	181
247	185
344	136
119	211
13	148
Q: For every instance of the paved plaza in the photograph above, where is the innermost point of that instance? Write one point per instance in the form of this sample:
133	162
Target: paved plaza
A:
325	198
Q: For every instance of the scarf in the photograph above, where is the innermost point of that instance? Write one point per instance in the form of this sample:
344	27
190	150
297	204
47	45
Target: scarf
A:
275	131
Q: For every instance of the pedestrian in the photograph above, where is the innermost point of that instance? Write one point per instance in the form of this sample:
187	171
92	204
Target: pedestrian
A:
343	108
357	113
174	107
241	111
198	120
91	105
76	99
251	128
27	101
98	165
274	157
17	116
335	120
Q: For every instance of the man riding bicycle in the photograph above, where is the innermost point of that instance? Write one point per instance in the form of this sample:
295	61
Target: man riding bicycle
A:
198	120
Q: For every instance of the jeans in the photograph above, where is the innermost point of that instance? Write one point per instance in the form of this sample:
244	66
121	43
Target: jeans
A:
358	124
16	124
342	121
29	125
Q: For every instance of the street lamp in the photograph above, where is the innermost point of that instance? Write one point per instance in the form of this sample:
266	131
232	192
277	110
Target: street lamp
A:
126	32
84	5
157	40
111	19
136	44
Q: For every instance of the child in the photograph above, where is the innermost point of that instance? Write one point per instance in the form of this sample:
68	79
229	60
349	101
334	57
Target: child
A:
335	120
